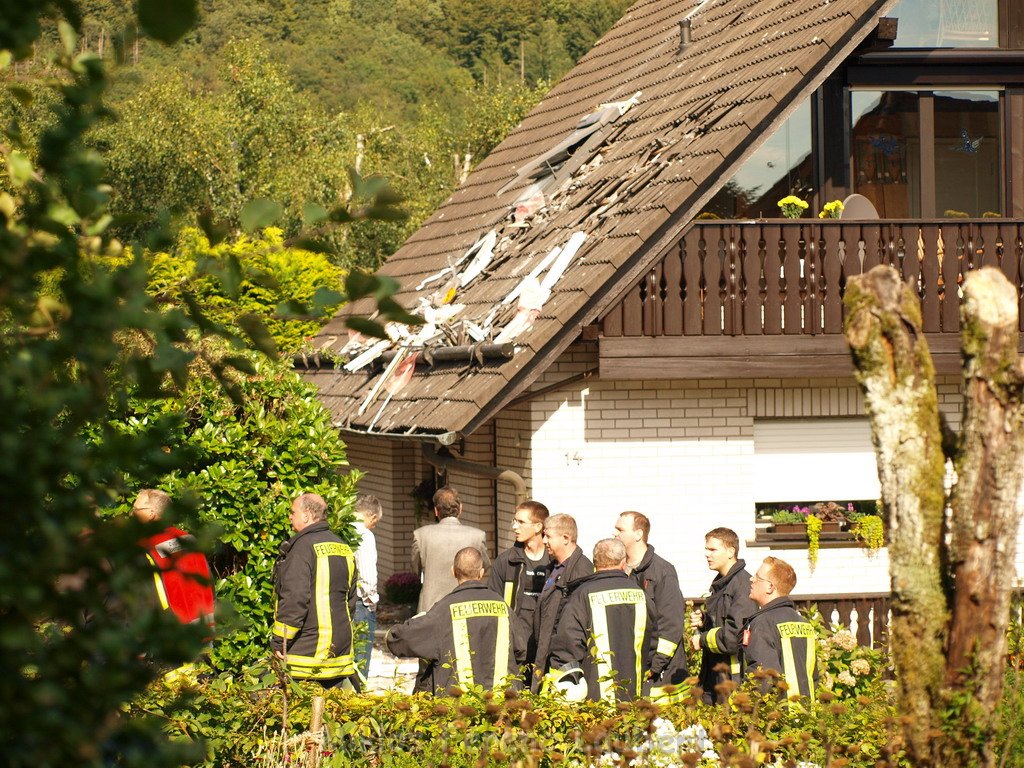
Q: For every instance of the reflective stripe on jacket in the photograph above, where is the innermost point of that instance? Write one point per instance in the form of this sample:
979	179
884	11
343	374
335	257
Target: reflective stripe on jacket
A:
725	611
778	637
467	637
607	631
659	580
314	579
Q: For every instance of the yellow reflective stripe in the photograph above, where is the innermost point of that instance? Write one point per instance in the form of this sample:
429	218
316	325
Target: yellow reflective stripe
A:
603	650
509	587
789	668
639	625
711	638
309	667
161	593
284	630
322	590
660	694
463	655
810	668
501	669
665	646
734	665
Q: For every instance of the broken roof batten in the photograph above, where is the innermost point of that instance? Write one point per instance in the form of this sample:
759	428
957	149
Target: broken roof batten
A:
631	193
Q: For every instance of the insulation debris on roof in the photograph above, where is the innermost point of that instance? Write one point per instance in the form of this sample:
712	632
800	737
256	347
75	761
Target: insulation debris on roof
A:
579	200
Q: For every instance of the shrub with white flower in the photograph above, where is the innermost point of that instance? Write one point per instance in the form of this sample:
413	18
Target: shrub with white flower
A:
665	747
846	668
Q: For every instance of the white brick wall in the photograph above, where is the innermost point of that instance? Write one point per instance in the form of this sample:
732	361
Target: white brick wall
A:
682	452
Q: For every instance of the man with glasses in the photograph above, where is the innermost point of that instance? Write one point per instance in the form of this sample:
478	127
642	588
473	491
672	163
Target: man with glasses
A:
725	609
519	573
777	636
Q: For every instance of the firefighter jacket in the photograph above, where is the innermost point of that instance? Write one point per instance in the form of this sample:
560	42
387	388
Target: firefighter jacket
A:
315	583
549	608
725	610
657	577
466	637
607	631
778	637
519	580
181	576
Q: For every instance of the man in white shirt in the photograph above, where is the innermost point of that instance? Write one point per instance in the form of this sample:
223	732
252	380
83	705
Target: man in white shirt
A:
368	512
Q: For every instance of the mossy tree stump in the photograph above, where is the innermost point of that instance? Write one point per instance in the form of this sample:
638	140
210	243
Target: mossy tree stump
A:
951	578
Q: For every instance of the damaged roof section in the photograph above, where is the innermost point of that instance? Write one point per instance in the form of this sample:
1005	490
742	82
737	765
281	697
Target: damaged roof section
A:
579	198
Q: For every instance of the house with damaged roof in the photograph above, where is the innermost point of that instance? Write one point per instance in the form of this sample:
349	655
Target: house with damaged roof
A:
617	315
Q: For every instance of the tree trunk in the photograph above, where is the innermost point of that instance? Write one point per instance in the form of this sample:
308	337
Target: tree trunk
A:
983	541
894	368
950	607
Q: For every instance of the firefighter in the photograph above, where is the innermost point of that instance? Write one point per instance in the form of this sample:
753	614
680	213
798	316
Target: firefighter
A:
777	636
657	577
181	575
570	564
519	573
315	585
604	642
725	610
467	637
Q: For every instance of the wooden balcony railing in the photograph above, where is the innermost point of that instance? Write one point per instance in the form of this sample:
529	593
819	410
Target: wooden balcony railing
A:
765	278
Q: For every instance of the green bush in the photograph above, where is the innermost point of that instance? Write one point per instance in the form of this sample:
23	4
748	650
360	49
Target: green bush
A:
248	458
475	727
269	274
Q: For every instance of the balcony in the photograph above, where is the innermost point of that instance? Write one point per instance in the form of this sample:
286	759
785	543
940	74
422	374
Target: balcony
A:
766	297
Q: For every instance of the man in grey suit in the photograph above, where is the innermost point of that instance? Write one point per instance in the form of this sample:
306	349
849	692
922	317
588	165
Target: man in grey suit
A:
434	547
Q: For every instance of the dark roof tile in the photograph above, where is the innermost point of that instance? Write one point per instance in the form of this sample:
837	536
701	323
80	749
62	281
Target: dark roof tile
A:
696	114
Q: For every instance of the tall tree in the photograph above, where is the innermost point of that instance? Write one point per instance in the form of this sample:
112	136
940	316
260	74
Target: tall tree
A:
950	580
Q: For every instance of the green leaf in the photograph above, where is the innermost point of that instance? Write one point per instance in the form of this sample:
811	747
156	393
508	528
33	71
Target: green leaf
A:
63	214
100	225
313	245
359	284
365	187
326	297
19	167
214	230
366	327
68	37
341	215
386	286
6	57
313	214
385	213
257	333
239	363
231	276
258	214
23	95
167	20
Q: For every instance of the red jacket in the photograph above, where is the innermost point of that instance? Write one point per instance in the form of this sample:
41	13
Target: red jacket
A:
182	576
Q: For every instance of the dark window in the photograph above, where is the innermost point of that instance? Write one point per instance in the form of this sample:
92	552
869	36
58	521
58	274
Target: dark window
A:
783	165
927	154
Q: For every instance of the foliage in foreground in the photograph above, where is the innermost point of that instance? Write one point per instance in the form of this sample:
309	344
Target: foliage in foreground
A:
241	719
268	278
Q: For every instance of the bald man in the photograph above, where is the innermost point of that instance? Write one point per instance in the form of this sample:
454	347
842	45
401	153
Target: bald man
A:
315	583
606	634
466	638
181	574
